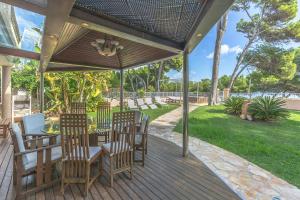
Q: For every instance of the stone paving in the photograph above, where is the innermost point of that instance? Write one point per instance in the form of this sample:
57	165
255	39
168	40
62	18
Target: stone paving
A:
245	178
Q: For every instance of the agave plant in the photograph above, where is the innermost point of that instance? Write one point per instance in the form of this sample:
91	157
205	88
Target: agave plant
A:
233	105
268	108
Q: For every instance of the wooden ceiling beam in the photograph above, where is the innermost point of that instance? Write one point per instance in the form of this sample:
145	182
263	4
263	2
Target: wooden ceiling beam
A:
56	16
58	64
19	53
103	25
26	5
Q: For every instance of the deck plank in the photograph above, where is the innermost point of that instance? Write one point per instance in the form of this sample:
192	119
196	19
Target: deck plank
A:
166	175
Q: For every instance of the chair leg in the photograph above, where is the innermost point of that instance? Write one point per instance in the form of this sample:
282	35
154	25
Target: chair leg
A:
131	165
87	180
111	173
14	175
143	156
146	147
18	185
62	187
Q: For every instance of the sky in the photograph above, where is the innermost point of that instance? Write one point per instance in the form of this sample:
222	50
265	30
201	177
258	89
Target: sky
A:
200	59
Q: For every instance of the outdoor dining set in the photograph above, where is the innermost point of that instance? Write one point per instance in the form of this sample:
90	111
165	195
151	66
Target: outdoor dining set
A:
78	154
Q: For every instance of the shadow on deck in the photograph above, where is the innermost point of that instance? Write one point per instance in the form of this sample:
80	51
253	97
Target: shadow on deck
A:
166	175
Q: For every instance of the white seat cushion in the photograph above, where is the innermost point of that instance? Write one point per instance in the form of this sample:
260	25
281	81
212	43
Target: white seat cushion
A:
153	106
34	124
31	160
144	107
138	138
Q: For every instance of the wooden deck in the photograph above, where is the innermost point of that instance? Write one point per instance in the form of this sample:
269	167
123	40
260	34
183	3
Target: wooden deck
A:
166	175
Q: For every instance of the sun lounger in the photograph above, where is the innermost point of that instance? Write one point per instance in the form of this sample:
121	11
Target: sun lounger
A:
149	102
159	101
131	105
141	104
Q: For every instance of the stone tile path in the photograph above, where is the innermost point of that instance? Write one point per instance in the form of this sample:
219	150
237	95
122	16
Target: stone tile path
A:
245	178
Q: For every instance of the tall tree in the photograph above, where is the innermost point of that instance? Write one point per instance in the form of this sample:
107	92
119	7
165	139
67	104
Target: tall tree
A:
275	68
270	21
221	28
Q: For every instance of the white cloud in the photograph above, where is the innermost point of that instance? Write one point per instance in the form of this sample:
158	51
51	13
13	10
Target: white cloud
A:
226	49
24	22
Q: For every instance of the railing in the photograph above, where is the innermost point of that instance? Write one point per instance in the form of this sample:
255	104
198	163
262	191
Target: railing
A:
194	97
256	94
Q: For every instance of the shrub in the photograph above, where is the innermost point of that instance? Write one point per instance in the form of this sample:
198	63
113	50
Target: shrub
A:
268	108
233	105
141	93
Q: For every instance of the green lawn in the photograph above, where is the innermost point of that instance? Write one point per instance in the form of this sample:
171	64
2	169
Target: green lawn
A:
273	146
153	114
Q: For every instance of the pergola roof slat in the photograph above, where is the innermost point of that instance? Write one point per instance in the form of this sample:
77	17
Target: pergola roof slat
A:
149	30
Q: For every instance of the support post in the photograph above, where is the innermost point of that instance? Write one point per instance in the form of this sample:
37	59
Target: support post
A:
185	116
121	89
42	92
6	93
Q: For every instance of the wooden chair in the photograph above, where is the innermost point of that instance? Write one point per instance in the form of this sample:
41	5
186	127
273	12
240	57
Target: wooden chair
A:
141	138
33	127
39	160
4	126
120	149
77	155
103	121
78	108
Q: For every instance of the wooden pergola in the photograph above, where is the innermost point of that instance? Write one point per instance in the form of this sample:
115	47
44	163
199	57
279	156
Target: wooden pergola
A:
149	31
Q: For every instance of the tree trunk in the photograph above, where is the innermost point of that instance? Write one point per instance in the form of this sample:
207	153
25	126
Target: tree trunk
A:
81	90
215	72
160	69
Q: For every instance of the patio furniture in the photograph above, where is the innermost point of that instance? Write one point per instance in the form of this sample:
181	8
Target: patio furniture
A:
141	104
77	155
39	161
173	99
4	126
119	151
141	137
159	101
148	101
78	108
131	105
103	121
34	126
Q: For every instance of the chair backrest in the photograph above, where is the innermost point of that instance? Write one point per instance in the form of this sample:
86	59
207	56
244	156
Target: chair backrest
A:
157	99
130	103
140	102
145	124
148	101
78	108
74	140
138	116
103	115
18	141
123	132
34	124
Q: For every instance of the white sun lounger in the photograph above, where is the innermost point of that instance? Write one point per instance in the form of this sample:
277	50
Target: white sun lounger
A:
131	105
141	104
149	102
159	101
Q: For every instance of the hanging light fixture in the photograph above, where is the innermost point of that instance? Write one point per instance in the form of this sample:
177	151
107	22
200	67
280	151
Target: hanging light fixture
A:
106	47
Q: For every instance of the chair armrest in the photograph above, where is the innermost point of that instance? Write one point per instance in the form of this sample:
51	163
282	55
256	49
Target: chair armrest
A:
35	150
41	137
35	135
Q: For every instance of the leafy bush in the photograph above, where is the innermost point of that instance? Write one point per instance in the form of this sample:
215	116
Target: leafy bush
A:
141	93
233	105
268	108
